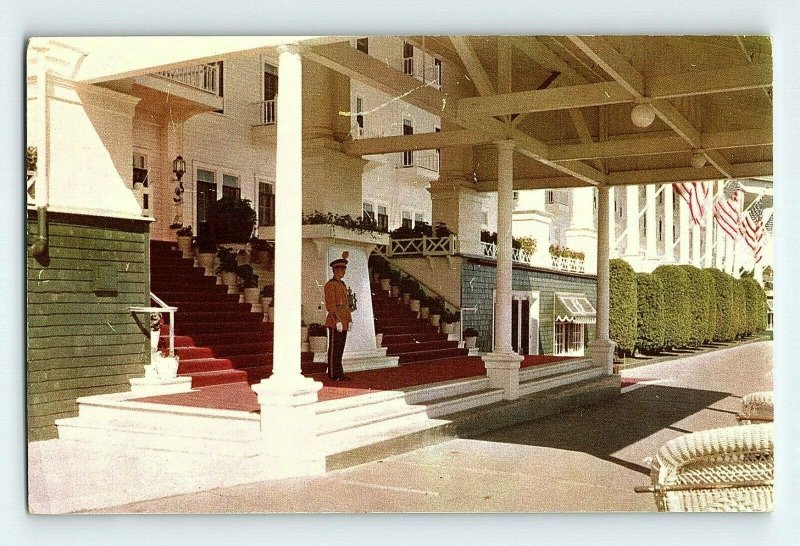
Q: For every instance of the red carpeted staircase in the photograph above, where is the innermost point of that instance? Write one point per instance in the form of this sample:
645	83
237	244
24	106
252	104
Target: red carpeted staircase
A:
217	339
404	335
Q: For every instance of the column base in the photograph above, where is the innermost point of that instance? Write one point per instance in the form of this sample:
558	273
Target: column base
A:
502	369
289	424
602	354
153	387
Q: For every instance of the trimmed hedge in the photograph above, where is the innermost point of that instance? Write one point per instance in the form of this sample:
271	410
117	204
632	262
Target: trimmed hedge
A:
678	312
699	304
711	303
725	328
650	313
622	305
755	306
739	308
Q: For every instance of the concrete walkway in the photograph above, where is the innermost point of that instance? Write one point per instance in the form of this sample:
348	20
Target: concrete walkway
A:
584	460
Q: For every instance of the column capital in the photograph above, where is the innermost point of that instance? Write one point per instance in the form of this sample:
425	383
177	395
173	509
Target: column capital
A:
507	144
291	47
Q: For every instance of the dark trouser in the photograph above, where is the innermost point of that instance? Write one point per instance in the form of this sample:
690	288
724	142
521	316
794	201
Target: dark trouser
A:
336	341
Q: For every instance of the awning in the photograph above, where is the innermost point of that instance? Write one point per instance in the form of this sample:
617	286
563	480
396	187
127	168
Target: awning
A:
574	308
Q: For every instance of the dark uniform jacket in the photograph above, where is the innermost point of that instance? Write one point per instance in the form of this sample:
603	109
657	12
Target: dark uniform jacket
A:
338	304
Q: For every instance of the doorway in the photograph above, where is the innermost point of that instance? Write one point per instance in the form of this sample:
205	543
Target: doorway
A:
524	322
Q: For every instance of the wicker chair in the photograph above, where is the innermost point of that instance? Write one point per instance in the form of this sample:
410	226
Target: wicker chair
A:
757	407
720	470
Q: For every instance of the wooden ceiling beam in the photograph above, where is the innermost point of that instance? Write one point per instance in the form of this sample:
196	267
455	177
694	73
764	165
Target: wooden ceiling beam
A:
419	141
473	65
682	174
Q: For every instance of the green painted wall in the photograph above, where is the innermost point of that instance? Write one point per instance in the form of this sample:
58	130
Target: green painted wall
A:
82	340
478	282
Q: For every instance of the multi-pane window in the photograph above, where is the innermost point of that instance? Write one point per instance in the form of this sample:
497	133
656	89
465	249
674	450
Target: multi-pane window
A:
437	71
406	220
484	218
369	211
219	74
362	44
550	197
360	115
408	156
418	218
141	183
408	59
206	192
382	218
568	338
660	229
266	204
230	186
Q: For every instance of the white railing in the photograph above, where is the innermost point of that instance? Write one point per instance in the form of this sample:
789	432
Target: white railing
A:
424	159
517	254
268	112
204	77
575	265
161	308
422	67
424	246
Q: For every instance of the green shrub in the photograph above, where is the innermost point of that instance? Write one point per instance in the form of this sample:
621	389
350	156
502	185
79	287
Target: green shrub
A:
650	313
739	314
622	305
698	305
725	328
678	312
755	304
711	304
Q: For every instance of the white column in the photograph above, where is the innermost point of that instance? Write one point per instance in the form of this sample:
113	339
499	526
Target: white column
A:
669	226
683	226
632	226
719	253
612	222
581	234
650	229
696	240
602	348
502	365
708	257
287	398
505	209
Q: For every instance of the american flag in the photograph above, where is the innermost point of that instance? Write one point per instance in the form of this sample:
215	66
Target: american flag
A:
695	195
727	209
753	230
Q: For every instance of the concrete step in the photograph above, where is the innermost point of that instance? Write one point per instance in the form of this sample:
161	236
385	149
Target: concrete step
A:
558	380
553	368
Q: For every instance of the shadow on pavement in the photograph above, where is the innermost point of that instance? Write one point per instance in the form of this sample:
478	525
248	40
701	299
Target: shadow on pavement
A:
605	429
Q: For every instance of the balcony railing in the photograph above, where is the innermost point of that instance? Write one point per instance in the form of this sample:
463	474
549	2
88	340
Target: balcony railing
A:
204	77
517	254
574	265
424	159
422	246
269	114
423	68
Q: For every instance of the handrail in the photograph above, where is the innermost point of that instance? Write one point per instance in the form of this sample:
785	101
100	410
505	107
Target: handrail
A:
202	76
162	307
422	284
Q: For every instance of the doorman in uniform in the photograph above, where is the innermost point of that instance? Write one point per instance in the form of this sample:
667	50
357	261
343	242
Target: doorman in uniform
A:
339	319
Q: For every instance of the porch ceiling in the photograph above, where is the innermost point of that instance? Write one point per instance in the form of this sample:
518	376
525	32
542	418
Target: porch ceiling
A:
567	101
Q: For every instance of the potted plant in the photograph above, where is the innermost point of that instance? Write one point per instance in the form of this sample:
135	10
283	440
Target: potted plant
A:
425	307
269	312
470	338
449	320
185	241
303	331
527	246
228	268
231	219
317	338
206	252
248	281
415	299
435	311
378	336
407	287
267	293
261	251
441	230
394	283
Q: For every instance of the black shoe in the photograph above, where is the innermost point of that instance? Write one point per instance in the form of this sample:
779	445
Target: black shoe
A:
342	378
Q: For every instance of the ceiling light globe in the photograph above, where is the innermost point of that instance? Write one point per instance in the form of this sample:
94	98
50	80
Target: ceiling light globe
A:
643	115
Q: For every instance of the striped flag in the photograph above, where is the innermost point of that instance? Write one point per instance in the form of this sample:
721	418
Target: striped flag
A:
695	195
727	209
753	230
